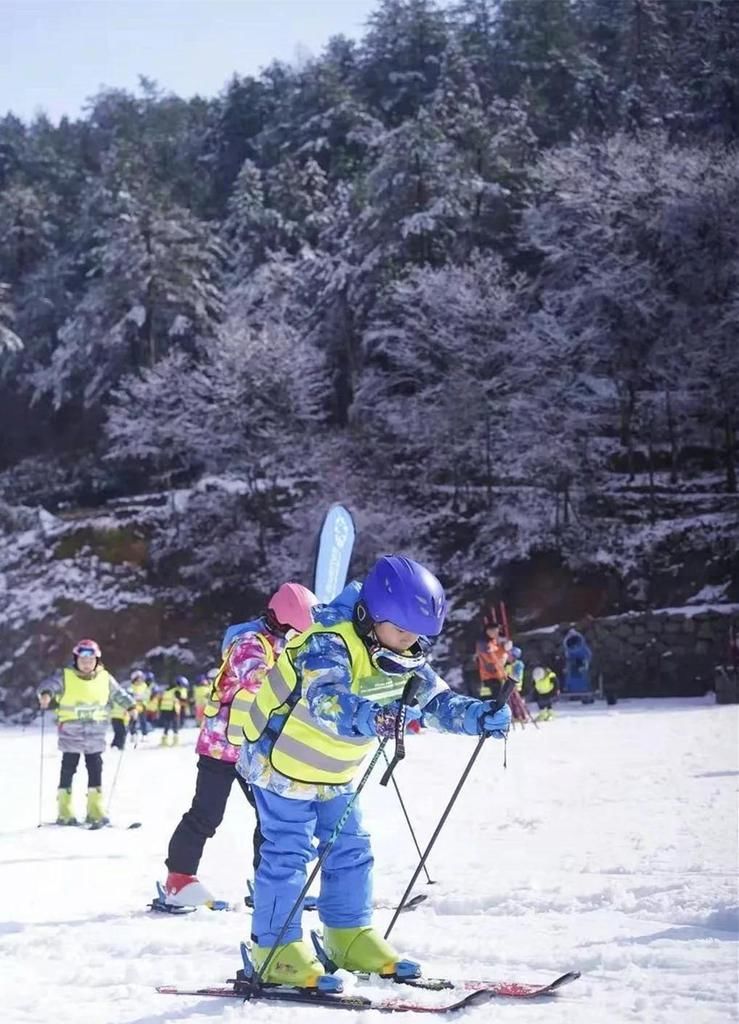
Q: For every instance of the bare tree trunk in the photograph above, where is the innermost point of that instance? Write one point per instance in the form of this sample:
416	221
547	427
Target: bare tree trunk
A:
671	436
488	463
628	406
730	452
650	454
151	345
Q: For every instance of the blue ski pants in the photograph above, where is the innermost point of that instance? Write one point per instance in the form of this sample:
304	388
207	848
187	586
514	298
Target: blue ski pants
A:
288	829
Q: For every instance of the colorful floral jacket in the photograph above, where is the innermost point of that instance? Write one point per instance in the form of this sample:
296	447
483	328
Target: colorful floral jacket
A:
245	670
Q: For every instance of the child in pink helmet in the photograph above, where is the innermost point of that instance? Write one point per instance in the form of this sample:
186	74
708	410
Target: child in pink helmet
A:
252	650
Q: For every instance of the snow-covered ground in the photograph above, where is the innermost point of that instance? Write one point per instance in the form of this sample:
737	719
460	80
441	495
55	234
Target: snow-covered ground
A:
608	845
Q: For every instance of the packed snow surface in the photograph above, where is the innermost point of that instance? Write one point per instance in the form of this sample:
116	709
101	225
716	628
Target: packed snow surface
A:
608	845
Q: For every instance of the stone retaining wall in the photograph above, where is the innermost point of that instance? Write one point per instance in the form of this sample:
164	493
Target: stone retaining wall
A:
671	652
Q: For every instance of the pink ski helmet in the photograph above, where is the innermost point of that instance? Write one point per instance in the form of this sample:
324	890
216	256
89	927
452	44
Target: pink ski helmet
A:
87	647
290	607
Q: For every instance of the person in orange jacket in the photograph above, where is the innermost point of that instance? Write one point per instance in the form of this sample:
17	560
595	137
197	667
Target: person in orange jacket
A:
490	658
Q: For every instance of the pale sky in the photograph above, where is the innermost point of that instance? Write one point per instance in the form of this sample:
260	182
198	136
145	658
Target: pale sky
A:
56	53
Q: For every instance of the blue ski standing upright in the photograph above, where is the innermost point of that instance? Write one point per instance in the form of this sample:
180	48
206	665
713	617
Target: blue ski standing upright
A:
333	553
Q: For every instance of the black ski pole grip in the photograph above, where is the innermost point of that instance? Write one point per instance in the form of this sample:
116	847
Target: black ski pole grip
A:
505	692
408	698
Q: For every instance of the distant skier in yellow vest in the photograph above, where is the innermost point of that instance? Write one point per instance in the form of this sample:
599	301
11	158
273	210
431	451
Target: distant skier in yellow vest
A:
84	693
200	692
333	691
547	690
170	704
247	661
141	692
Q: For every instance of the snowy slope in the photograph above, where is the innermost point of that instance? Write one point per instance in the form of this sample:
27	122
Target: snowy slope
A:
608	845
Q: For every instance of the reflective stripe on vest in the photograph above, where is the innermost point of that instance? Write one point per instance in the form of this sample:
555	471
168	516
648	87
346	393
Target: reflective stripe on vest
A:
240	707
306	750
237	715
84	699
169	700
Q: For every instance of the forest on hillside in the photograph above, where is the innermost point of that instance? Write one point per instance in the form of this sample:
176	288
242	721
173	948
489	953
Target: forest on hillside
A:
460	273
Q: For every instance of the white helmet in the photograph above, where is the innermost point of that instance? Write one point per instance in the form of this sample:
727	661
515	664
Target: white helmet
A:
538	674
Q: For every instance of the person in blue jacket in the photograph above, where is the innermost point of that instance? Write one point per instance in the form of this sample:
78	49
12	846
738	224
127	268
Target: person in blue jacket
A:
335	690
578	656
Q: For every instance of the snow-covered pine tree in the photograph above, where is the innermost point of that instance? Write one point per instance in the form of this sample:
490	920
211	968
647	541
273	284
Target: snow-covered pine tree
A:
154	285
9	340
400	57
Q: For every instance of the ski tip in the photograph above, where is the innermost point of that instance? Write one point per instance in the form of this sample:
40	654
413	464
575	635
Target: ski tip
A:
134	824
417	900
564	979
479	997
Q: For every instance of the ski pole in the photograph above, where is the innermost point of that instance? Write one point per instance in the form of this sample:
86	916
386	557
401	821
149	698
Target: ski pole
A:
505	693
258	975
41	772
429	879
115	779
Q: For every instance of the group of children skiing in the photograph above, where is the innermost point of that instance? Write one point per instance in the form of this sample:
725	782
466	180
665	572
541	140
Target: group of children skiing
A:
302	697
498	659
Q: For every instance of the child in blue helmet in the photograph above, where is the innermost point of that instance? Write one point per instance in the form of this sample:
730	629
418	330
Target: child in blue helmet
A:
334	690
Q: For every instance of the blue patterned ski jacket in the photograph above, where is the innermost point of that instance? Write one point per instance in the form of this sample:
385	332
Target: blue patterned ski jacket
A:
324	671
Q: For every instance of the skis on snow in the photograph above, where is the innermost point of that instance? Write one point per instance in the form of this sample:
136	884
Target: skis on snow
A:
475	993
310	997
248	986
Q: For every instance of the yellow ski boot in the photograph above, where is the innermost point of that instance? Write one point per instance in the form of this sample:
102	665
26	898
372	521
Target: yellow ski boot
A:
96	809
363	949
165	740
294	964
64	808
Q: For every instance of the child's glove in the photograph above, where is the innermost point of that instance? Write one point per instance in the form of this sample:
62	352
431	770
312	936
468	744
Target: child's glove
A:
495	723
372	720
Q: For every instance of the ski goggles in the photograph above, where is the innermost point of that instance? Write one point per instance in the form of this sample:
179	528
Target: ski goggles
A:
85	652
392	663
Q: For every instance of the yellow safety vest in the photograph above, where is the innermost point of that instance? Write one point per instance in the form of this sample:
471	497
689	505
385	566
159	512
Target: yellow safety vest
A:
200	694
514	670
170	699
82	699
547	684
304	749
243	699
141	694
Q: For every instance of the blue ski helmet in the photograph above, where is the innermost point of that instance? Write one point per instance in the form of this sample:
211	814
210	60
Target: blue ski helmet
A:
404	592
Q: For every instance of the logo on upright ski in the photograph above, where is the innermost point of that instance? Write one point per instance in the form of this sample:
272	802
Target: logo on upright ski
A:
333	554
